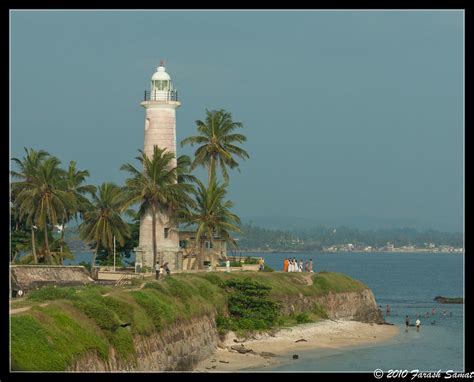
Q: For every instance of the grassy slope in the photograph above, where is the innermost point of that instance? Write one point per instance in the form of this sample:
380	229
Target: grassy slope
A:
80	320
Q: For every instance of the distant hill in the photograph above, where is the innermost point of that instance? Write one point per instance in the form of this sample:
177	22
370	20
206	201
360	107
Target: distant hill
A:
292	223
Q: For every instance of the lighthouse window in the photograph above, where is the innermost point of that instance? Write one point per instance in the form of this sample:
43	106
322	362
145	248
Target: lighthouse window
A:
167	232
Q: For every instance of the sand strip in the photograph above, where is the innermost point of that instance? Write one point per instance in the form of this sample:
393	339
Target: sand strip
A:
320	335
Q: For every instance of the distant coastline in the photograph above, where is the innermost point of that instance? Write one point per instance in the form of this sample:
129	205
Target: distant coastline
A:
421	250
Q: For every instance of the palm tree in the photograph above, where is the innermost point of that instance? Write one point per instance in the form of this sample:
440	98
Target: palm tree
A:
156	188
28	166
211	215
43	198
217	142
73	183
104	221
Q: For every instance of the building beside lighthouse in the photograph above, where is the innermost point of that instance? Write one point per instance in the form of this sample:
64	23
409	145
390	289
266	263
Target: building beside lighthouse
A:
160	104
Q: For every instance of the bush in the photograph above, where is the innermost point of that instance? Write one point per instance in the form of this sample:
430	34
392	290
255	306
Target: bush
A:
248	306
303	318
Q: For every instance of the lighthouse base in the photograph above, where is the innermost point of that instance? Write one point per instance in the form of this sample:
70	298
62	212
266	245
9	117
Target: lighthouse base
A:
174	257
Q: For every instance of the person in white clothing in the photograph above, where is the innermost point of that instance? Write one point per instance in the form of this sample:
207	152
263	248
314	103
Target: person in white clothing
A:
417	323
227	265
157	270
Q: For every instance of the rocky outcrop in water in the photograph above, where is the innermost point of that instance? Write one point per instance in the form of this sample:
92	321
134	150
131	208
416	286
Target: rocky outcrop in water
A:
449	300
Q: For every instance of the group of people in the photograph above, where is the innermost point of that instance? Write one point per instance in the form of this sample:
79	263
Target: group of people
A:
418	321
161	269
292	265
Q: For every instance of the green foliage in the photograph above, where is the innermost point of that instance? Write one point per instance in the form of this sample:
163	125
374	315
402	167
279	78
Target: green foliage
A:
122	341
51	293
303	318
268	269
97	310
86	265
326	282
49	338
248	306
319	311
88	319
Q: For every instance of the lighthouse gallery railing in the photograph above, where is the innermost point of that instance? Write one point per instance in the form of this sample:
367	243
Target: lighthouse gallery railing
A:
161	95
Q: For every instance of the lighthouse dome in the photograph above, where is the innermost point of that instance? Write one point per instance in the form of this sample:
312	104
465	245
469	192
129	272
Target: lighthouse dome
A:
160	74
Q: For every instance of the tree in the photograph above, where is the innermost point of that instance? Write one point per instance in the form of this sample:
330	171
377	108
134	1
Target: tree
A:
28	166
155	188
218	143
104	221
74	184
43	200
211	215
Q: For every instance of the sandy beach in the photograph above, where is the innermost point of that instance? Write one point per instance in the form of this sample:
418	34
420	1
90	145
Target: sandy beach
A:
323	334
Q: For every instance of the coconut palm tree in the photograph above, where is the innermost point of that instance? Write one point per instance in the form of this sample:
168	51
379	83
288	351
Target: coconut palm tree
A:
43	198
155	187
74	183
211	215
28	166
217	143
103	220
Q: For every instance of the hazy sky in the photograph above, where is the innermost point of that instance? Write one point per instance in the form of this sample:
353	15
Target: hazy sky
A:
348	113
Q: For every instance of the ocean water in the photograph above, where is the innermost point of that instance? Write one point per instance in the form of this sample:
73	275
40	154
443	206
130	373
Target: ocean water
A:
408	282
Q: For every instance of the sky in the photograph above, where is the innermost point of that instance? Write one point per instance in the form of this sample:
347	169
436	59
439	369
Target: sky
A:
350	116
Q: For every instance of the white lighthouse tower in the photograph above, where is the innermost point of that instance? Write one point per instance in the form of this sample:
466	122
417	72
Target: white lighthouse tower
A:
160	104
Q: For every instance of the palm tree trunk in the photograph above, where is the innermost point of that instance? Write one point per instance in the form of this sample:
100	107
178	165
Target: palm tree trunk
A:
95	254
33	245
201	256
153	228
46	244
212	169
62	241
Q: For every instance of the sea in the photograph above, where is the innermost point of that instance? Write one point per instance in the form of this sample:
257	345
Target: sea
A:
408	282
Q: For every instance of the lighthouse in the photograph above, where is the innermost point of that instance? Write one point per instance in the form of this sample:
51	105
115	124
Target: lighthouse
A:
160	105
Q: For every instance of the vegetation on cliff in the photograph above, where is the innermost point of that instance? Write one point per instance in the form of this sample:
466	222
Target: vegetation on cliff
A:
95	319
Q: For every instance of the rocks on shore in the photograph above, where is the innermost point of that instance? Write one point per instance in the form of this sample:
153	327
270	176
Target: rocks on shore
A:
241	349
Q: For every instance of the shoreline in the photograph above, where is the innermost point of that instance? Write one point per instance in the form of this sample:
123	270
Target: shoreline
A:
277	347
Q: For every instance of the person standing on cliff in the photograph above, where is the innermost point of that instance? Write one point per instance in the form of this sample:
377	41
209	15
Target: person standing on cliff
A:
311	265
285	265
157	270
162	271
